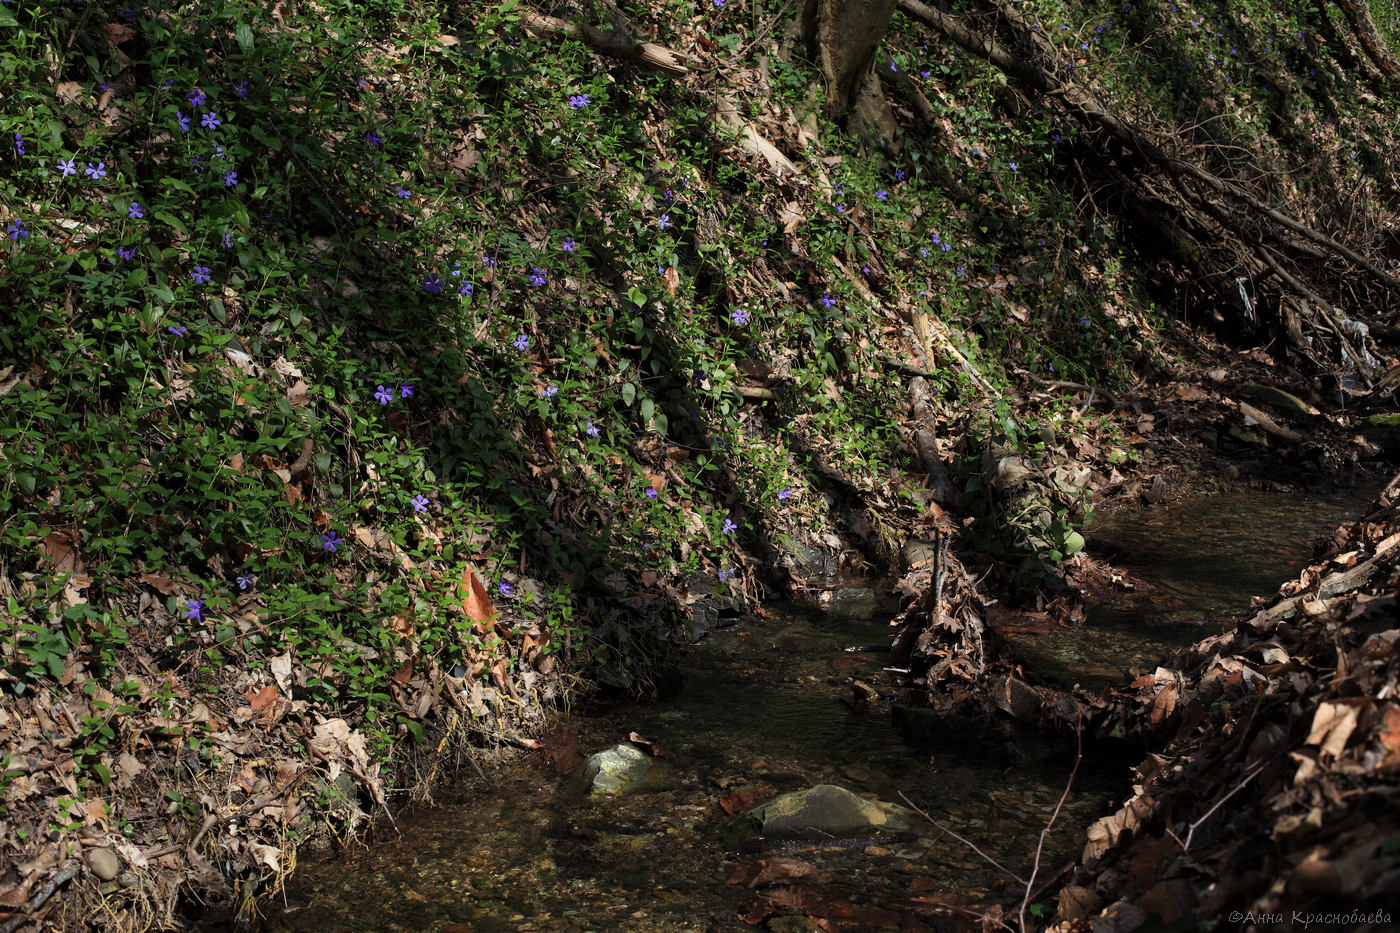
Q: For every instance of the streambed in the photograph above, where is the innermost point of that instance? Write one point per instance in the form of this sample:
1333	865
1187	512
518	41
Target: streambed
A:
768	707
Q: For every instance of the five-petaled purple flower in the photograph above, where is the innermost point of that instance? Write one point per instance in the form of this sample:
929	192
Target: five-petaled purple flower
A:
179	330
373	139
96	171
196	97
126	252
784	493
230	179
579	100
210	121
549	391
134	211
384	394
730	527
506	589
403	193
330	541
725	575
420	503
740	316
196	608
651	493
882	194
592	429
241	89
521	343
828	301
183	120
899	174
227	240
537	277
664	222
246	581
465	289
433	283
67	167
17	231
19	143
568	245
200	275
406	389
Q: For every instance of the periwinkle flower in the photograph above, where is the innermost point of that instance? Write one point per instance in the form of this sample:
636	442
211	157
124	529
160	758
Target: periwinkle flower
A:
126	252
664	222
506	589
730	527
537	277
373	139
134	211
200	275
196	609
592	429
785	493
568	245
246	581
179	330
16	230
211	121
241	89
331	541
403	193
651	493
230	179
740	316
67	167
96	171
828	301
420	503
578	101
196	97
521	343
433	283
406	389
384	395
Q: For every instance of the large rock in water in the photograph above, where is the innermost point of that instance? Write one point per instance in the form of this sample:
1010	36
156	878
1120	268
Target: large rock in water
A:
612	770
822	812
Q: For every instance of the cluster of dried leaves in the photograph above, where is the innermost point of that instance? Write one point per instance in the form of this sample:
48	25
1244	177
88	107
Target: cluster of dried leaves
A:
1280	757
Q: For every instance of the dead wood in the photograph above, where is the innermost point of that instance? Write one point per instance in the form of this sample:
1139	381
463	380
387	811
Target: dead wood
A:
614	44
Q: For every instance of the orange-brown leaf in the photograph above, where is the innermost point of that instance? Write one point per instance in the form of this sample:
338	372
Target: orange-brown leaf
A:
163	584
260	700
475	603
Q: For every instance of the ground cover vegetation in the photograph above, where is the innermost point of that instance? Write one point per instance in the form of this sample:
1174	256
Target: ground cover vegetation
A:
373	376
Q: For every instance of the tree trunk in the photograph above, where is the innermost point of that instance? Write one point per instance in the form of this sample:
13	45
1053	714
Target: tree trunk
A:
843	36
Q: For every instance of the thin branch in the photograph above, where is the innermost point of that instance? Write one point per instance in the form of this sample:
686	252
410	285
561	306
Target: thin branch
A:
1035	868
964	841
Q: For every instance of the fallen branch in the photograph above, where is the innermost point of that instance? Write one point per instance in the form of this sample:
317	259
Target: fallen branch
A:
37	901
615	44
1040	846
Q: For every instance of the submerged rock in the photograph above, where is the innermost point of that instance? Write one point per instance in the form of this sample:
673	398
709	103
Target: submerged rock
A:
612	770
822	812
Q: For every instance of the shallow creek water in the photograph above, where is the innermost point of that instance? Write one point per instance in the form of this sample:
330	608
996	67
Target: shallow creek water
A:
769	703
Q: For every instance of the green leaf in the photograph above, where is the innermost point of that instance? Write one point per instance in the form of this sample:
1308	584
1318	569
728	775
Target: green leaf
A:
244	35
171	220
27	483
629	393
1074	543
216	308
648	409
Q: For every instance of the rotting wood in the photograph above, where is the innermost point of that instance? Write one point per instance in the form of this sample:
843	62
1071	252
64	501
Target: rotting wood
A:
615	44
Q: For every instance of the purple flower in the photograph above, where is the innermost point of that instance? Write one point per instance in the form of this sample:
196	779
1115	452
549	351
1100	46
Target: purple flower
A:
664	222
549	391
433	283
406	389
330	541
899	174
230	179
730	527
489	261
134	211
592	429
840	208
651	493
578	101
882	194
828	301
384	395
537	277
227	240
420	503
66	167
200	275
1083	321
402	192
196	97
568	245
1013	167
362	82
667	196
241	89
725	575
179	330
506	589
126	252
210	121
96	171
246	581
740	316
719	4
465	289
962	271
785	493
19	143
17	231
893	67
521	343
196	608
373	139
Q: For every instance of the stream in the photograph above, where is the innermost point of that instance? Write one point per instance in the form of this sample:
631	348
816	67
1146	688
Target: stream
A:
768	707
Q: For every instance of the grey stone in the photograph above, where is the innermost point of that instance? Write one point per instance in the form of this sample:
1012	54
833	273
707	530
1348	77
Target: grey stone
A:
104	863
613	769
822	812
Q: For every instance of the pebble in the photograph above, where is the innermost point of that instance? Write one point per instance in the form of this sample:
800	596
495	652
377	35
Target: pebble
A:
104	863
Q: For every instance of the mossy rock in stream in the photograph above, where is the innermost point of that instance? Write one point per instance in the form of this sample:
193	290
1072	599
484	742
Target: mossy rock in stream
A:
610	771
823	812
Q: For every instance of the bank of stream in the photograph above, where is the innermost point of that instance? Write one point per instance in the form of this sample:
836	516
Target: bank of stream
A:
773	705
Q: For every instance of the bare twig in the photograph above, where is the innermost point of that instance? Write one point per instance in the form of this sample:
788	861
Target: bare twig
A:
1191	831
1035	867
56	882
966	842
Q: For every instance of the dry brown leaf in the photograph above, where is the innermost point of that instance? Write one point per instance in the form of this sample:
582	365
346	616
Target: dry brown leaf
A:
1390	736
1332	725
671	279
163	584
260	700
404	673
472	592
60	548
